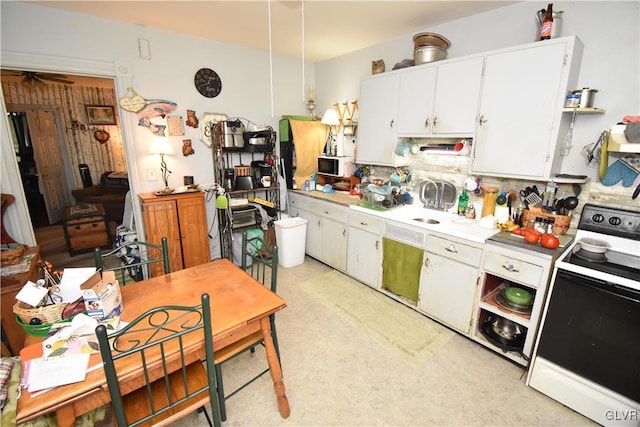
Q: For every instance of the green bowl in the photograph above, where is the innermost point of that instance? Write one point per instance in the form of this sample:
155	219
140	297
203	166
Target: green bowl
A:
518	295
38	330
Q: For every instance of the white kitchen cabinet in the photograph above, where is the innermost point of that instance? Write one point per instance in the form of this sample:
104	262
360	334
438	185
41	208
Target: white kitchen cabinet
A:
440	100
448	281
326	238
378	110
364	244
505	266
520	123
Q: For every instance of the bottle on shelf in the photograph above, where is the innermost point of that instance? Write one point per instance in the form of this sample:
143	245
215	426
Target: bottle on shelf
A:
547	23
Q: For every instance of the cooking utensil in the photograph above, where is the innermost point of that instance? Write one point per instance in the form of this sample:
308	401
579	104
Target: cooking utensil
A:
570	203
518	295
594	245
604	156
425	54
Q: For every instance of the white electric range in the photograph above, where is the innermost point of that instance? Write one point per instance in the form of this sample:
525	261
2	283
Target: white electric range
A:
587	354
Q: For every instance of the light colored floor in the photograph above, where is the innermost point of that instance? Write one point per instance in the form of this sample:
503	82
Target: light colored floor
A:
338	375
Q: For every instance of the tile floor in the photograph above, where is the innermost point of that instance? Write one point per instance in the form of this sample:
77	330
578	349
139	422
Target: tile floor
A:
337	375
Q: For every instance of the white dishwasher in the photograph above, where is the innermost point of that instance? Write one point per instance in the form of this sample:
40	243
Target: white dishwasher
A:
402	256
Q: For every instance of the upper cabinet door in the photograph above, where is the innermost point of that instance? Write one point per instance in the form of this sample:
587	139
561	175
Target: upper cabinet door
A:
417	95
457	96
378	110
521	110
440	100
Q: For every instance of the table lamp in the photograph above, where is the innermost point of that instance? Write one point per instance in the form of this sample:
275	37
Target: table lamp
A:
330	118
160	145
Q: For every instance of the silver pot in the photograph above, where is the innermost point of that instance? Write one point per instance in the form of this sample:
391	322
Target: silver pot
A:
425	54
506	328
586	97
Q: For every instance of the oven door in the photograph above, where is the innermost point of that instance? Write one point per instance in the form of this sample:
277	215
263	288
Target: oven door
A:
592	329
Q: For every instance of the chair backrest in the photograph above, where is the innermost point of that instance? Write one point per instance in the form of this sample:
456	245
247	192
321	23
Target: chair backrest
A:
263	259
134	260
158	342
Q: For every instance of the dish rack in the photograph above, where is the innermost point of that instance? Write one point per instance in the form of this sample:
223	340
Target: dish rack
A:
380	198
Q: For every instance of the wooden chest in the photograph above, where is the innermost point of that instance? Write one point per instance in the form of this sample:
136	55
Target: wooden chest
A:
85	228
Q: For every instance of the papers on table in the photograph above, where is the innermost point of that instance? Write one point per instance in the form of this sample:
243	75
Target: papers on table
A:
31	293
42	374
71	280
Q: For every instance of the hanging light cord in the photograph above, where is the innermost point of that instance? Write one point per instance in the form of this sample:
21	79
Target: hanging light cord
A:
303	74
270	58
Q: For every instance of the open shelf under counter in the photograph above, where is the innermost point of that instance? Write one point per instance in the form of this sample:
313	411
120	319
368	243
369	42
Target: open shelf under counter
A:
489	303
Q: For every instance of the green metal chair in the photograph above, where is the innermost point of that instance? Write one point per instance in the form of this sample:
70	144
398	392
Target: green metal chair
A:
169	388
261	262
133	260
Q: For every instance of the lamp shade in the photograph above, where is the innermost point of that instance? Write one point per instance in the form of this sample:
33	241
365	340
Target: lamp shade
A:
330	118
160	145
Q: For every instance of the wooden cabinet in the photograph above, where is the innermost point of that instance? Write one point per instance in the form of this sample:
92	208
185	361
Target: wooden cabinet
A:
326	238
502	267
86	229
448	281
10	286
364	244
378	111
440	100
182	219
521	104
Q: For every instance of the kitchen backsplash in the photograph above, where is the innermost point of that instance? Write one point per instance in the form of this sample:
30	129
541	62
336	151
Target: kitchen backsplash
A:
455	169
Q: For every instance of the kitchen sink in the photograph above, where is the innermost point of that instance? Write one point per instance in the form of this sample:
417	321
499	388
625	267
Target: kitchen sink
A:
427	220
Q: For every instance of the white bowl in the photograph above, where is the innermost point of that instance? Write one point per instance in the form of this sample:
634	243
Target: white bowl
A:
594	245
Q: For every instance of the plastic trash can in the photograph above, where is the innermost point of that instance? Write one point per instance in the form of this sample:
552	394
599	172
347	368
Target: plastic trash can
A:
291	238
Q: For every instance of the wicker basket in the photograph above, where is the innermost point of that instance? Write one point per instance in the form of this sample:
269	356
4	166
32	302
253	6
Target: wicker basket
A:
11	254
46	314
560	222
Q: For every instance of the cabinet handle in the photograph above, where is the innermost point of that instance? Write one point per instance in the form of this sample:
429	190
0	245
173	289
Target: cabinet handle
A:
452	249
363	223
391	123
510	267
435	122
426	262
426	123
318	223
377	245
344	232
482	120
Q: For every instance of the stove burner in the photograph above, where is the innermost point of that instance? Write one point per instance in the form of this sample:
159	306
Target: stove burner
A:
590	256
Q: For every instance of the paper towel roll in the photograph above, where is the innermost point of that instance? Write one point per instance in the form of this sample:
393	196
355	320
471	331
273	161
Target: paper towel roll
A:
502	214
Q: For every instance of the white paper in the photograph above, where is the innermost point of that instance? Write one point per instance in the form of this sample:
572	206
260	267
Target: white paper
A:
57	371
31	294
71	280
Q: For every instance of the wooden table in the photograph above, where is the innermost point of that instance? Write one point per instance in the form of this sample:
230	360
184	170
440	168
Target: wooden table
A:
240	306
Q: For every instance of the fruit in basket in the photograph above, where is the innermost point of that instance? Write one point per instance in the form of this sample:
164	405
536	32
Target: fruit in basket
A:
549	241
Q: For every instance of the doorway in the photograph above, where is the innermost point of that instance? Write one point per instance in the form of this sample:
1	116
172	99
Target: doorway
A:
35	133
53	142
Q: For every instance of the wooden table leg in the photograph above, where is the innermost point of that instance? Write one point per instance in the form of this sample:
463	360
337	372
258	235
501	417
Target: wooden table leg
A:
66	416
274	368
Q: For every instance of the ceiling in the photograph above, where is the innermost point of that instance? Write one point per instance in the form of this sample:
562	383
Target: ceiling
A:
331	28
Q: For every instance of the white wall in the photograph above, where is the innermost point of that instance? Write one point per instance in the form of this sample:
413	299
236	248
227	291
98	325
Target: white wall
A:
168	75
610	31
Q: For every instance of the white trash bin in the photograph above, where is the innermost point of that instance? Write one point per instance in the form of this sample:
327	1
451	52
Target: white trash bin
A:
291	238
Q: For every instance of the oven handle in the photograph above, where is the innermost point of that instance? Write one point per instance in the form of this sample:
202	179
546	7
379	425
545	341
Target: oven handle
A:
601	285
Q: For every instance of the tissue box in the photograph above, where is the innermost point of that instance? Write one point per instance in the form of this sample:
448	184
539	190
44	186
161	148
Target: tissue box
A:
102	298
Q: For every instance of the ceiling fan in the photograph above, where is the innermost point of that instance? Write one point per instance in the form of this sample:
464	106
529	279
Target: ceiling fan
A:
32	78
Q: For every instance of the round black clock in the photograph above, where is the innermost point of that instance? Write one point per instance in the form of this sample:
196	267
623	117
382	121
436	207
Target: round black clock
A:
207	82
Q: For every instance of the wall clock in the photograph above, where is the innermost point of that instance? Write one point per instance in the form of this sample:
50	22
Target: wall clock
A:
207	82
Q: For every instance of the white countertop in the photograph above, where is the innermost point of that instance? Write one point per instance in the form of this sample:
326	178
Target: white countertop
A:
448	223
